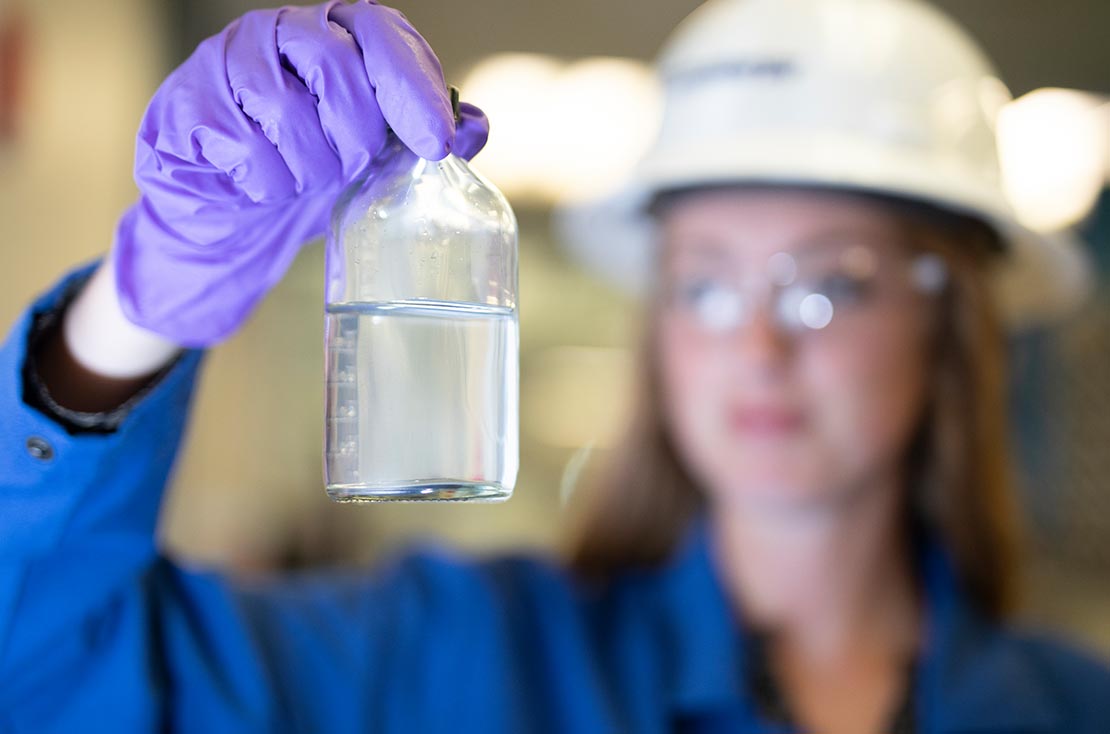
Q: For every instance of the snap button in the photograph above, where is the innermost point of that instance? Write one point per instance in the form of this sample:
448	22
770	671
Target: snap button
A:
39	448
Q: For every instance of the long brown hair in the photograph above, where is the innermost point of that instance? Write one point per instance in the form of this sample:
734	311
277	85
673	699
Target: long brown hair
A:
637	508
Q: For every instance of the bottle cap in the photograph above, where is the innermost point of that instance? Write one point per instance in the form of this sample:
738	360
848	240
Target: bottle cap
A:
454	101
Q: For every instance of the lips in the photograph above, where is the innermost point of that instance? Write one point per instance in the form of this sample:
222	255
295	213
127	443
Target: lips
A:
765	421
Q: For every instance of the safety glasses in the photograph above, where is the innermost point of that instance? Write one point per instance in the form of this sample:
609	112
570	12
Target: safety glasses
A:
827	289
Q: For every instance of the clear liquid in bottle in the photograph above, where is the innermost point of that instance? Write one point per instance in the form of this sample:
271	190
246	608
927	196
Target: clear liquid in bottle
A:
422	400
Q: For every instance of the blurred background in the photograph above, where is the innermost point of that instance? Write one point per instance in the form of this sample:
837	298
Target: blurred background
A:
248	494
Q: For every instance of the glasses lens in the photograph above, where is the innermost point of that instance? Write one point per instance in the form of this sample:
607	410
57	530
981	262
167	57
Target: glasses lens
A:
711	303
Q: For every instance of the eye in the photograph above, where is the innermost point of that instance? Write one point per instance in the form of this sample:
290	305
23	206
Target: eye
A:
693	291
689	292
714	304
843	288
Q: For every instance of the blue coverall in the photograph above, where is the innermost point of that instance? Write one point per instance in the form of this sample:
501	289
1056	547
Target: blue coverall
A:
101	633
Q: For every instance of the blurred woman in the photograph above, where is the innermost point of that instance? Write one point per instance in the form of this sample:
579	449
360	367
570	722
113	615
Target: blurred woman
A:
810	527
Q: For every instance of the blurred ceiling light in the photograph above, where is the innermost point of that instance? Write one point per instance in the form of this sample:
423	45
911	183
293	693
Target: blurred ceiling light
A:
1054	148
616	108
578	396
563	131
514	91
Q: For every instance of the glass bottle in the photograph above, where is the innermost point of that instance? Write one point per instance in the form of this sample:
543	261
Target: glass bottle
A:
421	335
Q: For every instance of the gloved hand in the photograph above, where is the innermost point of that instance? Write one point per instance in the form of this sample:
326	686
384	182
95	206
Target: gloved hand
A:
245	147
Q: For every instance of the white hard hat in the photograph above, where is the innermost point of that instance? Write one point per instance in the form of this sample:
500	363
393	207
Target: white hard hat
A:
888	96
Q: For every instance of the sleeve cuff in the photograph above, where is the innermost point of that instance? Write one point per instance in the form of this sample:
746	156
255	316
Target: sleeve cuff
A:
44	320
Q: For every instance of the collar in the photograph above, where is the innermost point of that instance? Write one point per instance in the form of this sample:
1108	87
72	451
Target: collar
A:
972	676
705	660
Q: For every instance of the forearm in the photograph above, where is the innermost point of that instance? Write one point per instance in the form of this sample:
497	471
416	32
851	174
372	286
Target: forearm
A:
96	359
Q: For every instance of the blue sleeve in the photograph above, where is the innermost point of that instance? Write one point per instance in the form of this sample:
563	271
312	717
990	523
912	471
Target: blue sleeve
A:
77	516
99	632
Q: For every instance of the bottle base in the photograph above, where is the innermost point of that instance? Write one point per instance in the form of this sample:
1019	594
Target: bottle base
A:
435	491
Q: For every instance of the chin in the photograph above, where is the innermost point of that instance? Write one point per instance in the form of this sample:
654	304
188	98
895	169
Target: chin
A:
775	487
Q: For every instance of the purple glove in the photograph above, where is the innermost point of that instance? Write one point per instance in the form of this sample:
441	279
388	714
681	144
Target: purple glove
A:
245	147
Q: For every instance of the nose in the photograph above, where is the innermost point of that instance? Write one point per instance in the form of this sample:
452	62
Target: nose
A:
762	345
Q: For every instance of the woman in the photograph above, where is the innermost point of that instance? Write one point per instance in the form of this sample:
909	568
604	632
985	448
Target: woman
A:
810	530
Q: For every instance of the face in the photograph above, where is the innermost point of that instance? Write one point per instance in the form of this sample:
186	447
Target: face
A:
792	332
